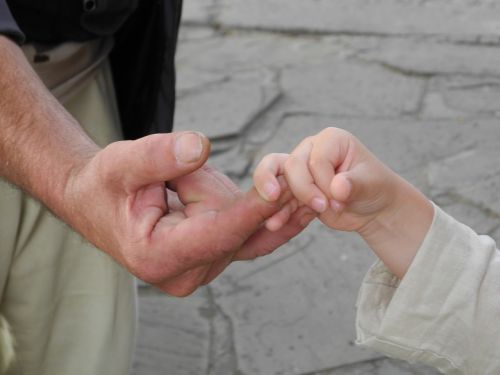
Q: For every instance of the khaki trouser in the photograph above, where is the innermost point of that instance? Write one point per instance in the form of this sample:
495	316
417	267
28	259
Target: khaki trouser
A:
71	308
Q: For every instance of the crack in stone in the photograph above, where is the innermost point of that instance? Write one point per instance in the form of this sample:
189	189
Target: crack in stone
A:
213	11
474	86
455	197
478	42
266	103
219	26
326	371
222	354
402	71
420	107
413	73
425	77
193	90
375	366
235	283
290	32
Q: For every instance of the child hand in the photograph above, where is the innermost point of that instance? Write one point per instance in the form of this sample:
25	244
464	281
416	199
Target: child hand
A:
272	186
351	190
333	174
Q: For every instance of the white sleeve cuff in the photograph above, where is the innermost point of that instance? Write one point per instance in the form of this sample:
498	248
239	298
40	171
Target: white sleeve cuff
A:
429	315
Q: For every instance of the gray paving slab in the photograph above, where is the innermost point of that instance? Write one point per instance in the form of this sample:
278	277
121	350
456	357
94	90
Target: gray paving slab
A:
459	96
351	88
236	51
199	10
173	335
404	143
481	219
449	17
248	93
424	56
479	180
417	81
380	367
293	311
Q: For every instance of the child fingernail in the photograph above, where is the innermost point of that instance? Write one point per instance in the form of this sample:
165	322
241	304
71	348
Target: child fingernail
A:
318	205
270	190
335	206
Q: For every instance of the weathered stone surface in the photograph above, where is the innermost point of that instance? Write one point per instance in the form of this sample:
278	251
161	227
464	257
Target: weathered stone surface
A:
293	311
417	56
173	335
234	162
190	34
199	10
463	96
380	367
191	81
351	88
473	175
426	104
226	105
404	144
234	51
482	220
450	17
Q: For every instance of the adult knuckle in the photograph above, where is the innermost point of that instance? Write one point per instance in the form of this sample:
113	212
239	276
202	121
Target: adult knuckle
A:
181	291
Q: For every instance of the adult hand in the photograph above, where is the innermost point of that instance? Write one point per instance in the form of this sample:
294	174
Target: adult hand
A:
116	197
178	238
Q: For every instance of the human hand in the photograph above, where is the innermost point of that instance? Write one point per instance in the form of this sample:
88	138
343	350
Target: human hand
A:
334	174
338	177
178	238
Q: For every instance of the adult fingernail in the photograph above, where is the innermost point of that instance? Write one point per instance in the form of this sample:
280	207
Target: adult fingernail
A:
188	147
319	205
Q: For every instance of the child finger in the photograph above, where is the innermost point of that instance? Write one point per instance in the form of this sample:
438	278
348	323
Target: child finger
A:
301	181
329	152
321	167
265	176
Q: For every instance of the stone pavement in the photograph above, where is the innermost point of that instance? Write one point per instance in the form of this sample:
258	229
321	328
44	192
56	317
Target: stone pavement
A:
418	81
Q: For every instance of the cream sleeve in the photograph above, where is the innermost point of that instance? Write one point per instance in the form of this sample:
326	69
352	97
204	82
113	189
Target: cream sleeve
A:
445	312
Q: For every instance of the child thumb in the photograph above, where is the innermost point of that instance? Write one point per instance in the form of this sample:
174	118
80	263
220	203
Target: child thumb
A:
351	185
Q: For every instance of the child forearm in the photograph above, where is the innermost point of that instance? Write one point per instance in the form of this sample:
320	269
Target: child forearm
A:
396	234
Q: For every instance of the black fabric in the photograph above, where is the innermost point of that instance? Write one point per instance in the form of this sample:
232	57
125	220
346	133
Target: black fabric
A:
143	68
8	25
105	17
142	59
56	21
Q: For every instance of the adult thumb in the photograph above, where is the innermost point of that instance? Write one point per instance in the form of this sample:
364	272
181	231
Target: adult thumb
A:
158	157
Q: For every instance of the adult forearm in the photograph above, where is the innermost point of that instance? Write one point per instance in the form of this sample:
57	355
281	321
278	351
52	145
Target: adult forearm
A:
40	143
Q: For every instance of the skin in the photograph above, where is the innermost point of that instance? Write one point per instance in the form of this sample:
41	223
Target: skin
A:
151	204
333	173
